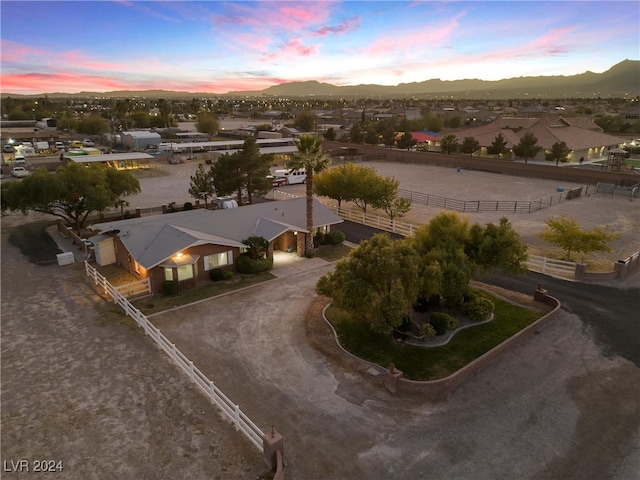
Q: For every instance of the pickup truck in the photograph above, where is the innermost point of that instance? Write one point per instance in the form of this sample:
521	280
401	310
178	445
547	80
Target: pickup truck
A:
19	172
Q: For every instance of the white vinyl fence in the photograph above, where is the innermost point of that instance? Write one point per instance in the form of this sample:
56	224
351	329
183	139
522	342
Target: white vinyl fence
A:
224	404
551	266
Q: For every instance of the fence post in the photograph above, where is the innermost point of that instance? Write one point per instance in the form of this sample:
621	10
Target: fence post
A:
236	416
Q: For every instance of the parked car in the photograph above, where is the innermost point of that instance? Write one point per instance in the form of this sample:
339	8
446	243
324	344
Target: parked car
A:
87	143
19	172
60	146
7	148
277	182
19	160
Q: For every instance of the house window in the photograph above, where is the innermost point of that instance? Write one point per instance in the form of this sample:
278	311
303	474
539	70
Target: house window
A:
168	274
185	272
218	260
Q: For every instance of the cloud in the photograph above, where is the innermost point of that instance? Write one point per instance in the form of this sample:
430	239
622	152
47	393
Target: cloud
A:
15	52
291	50
346	26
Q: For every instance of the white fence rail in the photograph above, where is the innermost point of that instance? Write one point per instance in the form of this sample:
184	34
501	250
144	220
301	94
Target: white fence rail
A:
135	289
551	266
229	409
375	221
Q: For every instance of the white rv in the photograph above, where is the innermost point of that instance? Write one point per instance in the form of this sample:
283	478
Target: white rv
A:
292	176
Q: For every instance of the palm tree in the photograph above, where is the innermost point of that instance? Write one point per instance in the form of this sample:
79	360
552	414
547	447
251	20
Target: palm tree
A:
313	159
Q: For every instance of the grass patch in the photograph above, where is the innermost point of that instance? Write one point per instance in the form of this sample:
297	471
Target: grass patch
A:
160	302
422	363
35	243
332	253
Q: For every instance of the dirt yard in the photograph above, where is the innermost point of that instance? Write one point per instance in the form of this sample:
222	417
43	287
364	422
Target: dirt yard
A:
82	386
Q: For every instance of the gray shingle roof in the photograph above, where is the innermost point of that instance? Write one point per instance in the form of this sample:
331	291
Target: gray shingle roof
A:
151	240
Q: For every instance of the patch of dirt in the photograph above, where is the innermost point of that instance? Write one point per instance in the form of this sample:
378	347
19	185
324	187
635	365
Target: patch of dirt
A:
83	385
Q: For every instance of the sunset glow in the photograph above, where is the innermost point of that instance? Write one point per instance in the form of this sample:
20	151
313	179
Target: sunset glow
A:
218	47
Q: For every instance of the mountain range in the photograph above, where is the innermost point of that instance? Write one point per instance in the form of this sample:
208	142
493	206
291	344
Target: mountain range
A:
621	80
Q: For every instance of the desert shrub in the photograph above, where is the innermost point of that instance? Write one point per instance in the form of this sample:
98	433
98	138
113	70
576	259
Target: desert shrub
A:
217	274
452	323
478	308
187	206
245	264
169	287
427	330
441	321
334	237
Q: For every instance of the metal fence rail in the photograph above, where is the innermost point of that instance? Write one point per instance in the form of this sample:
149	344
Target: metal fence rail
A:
229	409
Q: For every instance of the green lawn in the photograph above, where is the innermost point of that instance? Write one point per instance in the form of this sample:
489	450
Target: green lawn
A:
431	363
332	253
161	302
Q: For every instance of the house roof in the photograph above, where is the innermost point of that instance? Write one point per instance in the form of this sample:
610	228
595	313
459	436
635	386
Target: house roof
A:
577	134
426	136
152	240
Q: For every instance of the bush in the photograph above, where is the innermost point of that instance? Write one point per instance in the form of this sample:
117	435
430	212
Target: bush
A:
169	287
478	308
334	237
187	206
245	264
441	322
427	330
217	274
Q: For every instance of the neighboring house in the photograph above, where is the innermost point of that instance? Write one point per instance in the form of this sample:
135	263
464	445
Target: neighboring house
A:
184	246
583	137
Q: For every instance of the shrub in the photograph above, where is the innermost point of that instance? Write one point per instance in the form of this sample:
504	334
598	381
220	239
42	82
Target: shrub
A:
318	239
479	308
441	321
187	206
217	274
427	330
245	264
169	287
334	237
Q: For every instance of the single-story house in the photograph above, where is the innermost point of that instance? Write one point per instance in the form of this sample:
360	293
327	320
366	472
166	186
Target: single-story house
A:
582	136
184	246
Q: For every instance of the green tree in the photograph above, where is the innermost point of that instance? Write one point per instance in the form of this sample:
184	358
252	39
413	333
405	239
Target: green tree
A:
140	119
527	147
395	207
254	169
337	183
449	143
201	186
330	134
356	134
372	136
207	123
559	153
227	177
389	136
498	146
566	233
313	159
496	247
305	121
377	284
244	171
92	125
165	112
368	188
123	109
73	193
406	141
469	145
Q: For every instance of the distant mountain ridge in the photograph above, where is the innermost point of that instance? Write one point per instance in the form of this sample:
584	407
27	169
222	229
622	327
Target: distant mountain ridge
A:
623	79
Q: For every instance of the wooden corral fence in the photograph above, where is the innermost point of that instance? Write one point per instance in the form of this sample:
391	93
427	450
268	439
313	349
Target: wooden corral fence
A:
228	409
